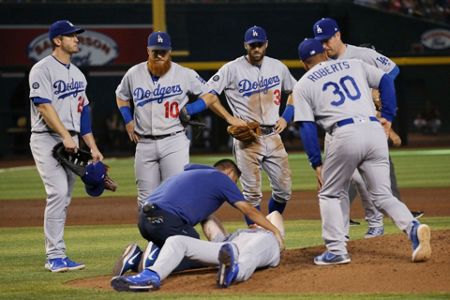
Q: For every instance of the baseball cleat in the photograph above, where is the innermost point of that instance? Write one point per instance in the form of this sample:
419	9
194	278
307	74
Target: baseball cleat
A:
56	265
149	256
228	266
417	214
71	265
374	232
145	281
420	237
129	260
328	258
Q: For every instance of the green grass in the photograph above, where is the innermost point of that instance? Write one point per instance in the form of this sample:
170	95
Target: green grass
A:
414	168
22	249
22	275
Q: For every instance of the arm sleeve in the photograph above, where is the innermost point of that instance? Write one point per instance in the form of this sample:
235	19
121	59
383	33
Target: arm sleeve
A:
38	100
302	109
308	134
85	122
217	83
40	83
196	83
288	80
388	98
123	90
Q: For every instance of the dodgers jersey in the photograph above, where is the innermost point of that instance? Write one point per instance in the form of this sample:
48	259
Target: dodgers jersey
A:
336	90
253	93
157	103
64	87
369	56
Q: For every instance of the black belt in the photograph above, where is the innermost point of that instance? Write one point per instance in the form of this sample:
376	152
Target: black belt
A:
351	121
71	132
158	137
267	129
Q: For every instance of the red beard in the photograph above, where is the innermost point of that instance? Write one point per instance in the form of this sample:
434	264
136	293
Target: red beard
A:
157	68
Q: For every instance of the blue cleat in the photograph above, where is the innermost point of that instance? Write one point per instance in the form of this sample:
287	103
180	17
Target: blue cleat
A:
71	265
328	258
149	257
228	266
374	232
129	260
420	238
56	265
145	281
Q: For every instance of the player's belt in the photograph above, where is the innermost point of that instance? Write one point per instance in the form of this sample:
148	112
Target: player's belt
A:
71	132
354	120
267	129
158	137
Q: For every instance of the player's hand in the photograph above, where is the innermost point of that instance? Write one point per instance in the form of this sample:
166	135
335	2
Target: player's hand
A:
70	145
281	125
386	125
396	140
319	177
131	134
233	121
96	155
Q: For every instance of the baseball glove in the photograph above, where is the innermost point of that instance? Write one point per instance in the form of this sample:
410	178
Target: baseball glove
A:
77	163
247	134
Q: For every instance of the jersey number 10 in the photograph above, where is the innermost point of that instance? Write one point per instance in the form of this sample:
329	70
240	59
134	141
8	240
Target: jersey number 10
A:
342	90
171	109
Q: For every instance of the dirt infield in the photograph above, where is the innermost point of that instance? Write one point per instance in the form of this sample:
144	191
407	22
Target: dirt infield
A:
378	265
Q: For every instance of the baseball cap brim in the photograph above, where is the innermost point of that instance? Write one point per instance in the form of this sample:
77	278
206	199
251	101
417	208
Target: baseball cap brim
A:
160	48
324	37
94	190
255	41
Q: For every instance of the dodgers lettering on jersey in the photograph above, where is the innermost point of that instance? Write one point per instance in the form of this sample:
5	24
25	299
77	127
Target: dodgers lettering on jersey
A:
142	96
253	93
64	87
342	91
157	104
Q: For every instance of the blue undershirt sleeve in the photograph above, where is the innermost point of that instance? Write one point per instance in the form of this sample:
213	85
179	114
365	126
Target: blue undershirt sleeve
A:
196	107
288	113
85	122
394	72
388	98
308	134
38	100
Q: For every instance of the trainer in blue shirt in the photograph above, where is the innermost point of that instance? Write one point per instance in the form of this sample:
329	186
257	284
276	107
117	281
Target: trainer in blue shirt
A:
186	199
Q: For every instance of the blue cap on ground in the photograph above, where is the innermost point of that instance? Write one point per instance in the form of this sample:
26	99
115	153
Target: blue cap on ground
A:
255	34
308	48
93	178
159	41
325	28
62	27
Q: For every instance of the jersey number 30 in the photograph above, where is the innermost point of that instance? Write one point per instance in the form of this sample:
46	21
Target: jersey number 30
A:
345	89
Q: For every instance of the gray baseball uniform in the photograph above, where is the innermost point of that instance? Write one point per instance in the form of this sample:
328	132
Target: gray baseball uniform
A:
257	248
65	88
337	96
373	217
163	149
254	94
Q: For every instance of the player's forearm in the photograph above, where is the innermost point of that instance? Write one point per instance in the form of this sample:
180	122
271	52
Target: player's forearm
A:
90	141
256	216
125	110
52	120
219	110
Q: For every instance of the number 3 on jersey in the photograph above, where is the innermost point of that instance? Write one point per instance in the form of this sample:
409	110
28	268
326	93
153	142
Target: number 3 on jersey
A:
171	109
342	90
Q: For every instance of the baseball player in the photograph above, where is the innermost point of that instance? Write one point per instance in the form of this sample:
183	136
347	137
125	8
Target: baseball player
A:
59	113
337	96
159	89
327	31
184	200
253	84
238	255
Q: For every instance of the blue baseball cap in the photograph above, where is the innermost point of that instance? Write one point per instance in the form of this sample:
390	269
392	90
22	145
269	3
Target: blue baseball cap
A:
93	178
308	48
62	27
255	34
159	40
325	28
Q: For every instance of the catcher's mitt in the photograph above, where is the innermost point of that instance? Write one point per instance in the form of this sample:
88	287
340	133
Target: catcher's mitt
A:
94	175
247	134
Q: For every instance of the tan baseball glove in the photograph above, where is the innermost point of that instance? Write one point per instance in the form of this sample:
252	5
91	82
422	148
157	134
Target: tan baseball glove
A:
247	134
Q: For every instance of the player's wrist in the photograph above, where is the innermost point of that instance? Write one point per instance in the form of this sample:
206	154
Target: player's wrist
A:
126	114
